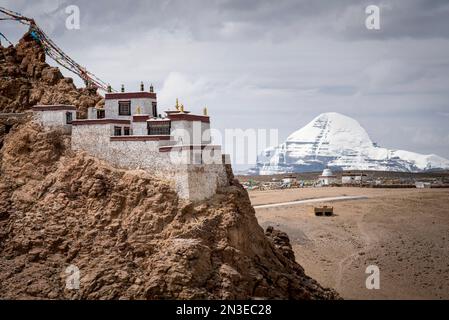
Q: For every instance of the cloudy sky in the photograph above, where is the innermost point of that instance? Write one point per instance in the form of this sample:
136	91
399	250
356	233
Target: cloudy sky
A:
271	64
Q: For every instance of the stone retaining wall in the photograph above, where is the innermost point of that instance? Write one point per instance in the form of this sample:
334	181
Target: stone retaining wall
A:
191	181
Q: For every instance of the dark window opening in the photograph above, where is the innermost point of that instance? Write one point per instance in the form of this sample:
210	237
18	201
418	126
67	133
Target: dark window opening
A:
126	131
124	108
117	131
68	117
158	129
101	114
154	106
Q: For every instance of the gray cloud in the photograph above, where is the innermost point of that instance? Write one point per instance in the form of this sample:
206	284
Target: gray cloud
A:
272	64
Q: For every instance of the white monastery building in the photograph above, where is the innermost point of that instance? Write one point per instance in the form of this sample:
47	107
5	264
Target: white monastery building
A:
129	133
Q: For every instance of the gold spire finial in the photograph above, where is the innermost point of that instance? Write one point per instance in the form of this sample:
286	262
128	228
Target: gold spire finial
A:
181	108
205	111
177	104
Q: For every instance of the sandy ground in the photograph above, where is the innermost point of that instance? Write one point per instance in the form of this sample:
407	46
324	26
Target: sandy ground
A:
405	232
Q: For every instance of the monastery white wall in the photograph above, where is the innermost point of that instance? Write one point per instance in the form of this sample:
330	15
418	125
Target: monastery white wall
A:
198	182
93	138
145	104
190	132
205	133
139	128
55	118
91	113
192	181
210	155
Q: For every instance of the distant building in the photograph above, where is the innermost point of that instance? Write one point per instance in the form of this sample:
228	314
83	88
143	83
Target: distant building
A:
290	179
422	185
327	178
349	178
55	115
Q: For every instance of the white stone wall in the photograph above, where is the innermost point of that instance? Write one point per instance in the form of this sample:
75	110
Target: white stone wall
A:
139	128
205	133
181	131
196	156
93	138
198	182
111	107
55	118
91	113
191	181
190	132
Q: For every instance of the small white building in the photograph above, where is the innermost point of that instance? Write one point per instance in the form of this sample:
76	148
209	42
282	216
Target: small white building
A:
55	115
349	178
130	133
290	179
422	185
327	178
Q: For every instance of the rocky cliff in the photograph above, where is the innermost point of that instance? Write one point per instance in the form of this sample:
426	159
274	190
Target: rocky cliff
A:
27	80
127	232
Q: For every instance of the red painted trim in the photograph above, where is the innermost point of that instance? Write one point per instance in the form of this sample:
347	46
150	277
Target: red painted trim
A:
188	117
129	95
140	118
100	121
140	138
175	111
188	147
54	107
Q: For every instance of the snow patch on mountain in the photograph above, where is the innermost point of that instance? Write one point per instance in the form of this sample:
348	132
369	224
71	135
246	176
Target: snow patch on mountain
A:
340	142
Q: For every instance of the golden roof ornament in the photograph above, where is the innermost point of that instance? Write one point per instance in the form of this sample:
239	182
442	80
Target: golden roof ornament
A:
205	111
177	104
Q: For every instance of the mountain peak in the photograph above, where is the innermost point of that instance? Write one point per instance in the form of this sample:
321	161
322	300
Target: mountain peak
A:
332	115
336	140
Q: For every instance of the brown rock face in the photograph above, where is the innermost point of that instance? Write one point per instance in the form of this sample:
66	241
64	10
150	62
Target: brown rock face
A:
281	242
27	80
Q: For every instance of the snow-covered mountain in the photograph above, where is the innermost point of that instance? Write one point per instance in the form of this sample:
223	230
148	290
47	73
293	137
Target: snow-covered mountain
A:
337	141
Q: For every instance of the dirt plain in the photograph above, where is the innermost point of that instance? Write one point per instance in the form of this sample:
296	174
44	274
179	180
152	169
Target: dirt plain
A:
405	232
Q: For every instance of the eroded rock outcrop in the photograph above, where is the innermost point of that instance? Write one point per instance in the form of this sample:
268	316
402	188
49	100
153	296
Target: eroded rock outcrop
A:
27	80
